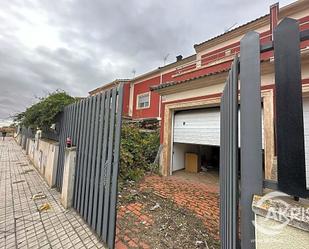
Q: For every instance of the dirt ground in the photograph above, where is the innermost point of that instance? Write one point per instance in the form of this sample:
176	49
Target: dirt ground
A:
147	219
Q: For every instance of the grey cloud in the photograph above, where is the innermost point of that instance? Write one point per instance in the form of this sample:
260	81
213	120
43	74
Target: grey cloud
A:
104	40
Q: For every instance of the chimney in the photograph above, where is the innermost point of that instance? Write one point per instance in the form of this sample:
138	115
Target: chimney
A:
179	58
273	15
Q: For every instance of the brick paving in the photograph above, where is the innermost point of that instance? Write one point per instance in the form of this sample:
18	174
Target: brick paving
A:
198	198
201	199
21	224
129	217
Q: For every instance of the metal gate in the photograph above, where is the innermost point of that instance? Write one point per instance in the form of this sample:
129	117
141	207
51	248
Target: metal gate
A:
289	128
229	160
94	125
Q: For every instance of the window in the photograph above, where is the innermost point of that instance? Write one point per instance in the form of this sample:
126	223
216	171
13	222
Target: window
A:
143	100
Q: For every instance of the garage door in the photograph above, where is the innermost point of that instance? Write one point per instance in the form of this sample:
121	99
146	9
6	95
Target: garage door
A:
201	126
198	127
306	133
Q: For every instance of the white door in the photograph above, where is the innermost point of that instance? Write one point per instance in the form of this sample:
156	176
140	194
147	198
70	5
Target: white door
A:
306	134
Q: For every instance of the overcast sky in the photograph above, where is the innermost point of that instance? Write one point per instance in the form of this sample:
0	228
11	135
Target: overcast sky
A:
78	45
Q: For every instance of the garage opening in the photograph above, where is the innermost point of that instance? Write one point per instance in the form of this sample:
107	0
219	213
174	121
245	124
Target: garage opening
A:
190	159
196	135
196	144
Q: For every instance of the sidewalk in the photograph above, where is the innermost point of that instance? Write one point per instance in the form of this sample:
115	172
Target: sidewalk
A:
21	224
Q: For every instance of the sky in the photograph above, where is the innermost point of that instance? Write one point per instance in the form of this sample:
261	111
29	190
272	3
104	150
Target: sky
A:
78	45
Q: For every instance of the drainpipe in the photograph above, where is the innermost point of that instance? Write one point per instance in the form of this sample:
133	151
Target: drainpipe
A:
131	98
161	81
160	97
273	13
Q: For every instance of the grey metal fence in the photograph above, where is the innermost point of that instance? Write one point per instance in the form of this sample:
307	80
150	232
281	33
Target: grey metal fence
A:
229	160
26	133
250	134
289	131
50	134
289	109
94	125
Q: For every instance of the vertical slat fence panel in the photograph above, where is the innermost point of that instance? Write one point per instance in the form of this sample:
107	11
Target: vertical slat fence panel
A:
60	149
94	154
78	139
115	170
87	138
94	125
251	134
229	161
289	110
103	169
90	158
109	166
82	154
98	162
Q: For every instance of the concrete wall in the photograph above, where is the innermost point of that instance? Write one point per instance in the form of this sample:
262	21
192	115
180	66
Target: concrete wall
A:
31	149
18	138
289	237
280	222
68	177
44	155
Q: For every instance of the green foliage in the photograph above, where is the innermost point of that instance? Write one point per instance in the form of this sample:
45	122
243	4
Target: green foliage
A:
138	151
44	113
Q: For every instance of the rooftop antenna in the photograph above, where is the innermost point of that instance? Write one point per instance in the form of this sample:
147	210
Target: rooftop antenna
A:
164	62
133	72
229	28
165	59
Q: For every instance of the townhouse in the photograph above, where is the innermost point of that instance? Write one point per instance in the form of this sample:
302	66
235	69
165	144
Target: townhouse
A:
185	95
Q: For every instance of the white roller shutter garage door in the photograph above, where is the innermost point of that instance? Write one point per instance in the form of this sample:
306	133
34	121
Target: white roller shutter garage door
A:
198	127
201	126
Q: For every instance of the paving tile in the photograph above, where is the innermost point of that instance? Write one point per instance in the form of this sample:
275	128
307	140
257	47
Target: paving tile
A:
19	216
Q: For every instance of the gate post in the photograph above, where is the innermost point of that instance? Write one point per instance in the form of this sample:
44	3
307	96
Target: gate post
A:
67	191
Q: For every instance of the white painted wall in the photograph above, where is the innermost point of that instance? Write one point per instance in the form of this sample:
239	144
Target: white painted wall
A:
203	91
178	156
306	136
179	151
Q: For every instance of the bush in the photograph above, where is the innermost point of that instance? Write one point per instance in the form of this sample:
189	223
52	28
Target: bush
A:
138	151
43	113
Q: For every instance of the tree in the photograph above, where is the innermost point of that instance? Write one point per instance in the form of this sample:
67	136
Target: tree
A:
44	113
